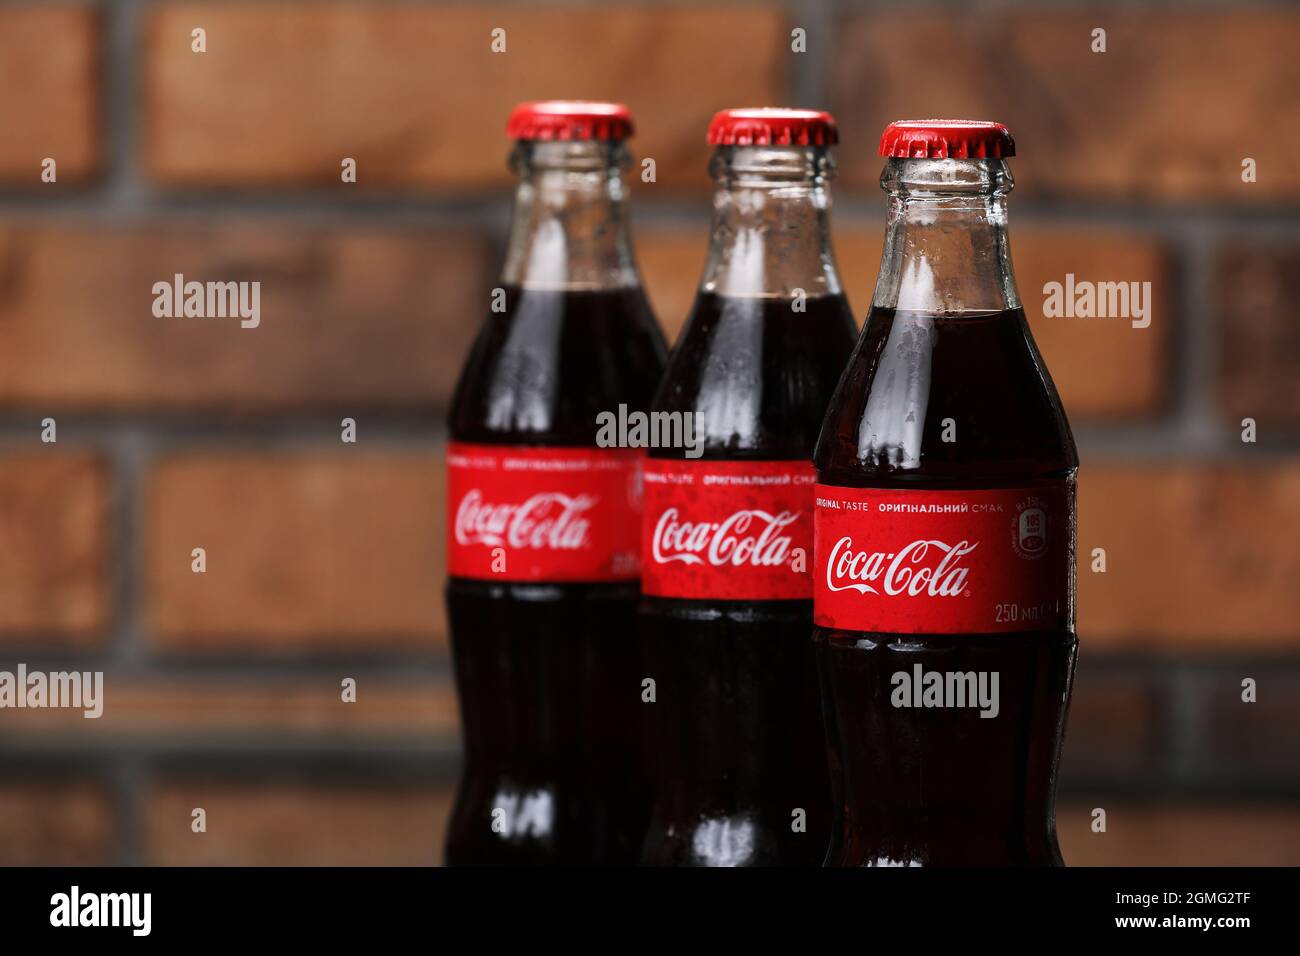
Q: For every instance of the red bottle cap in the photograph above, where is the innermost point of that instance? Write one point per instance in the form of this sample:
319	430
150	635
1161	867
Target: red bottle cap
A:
773	127
570	120
946	139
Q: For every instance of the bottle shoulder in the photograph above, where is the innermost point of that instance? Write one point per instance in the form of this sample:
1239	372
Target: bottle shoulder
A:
550	361
961	400
756	374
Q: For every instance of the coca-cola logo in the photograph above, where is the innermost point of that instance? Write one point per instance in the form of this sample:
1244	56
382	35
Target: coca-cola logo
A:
752	537
928	567
546	520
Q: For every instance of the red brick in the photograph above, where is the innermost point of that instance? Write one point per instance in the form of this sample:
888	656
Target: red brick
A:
49	93
190	711
1114	727
1198	557
1168	113
54	540
350	319
1256	291
1262	737
415	94
303	551
671	262
55	823
1104	368
1169	834
282	824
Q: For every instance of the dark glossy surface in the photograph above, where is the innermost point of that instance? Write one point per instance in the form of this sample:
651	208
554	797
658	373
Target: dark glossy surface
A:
944	786
737	720
541	371
910	371
941	786
549	675
757	373
549	683
742	748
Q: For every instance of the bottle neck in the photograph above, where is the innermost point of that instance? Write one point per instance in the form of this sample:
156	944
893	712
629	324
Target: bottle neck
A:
946	248
569	227
771	223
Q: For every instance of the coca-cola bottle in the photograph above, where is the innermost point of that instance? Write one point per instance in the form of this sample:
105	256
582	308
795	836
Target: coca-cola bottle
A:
945	531
727	539
544	526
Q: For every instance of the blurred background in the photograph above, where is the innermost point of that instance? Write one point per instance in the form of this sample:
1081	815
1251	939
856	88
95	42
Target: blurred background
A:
325	559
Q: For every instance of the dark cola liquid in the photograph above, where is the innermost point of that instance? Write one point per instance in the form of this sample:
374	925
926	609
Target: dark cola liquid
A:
549	674
737	721
918	786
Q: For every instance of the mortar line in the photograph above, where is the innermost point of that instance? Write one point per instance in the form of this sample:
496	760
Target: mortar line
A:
127	775
123	43
129	453
1184	725
1194	332
808	81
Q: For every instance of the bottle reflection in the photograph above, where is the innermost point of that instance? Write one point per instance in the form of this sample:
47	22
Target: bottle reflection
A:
723	841
528	813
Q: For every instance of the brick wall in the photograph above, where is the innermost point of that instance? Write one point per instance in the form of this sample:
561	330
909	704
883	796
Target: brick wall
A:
324	558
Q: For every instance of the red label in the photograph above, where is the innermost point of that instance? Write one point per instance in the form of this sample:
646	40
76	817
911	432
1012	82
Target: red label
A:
728	530
944	562
519	513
